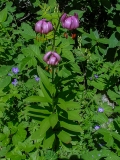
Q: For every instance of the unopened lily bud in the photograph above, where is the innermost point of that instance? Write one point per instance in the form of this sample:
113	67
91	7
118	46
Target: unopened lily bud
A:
43	26
70	22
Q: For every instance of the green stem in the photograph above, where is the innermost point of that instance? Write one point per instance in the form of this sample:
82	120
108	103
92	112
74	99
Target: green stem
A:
53	46
53	69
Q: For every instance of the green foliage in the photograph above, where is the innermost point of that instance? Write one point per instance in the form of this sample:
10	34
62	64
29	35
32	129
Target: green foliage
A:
56	116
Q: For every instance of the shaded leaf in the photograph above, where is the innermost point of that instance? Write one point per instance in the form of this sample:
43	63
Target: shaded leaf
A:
64	137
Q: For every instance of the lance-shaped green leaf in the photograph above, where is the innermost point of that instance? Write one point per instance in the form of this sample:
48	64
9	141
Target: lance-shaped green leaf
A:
53	119
3	15
74	115
24	62
45	92
44	126
36	99
71	127
44	78
48	142
66	105
4	82
116	136
64	137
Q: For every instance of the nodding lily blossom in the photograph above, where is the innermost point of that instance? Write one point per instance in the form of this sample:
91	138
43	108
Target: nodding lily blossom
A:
15	70
70	22
43	26
51	58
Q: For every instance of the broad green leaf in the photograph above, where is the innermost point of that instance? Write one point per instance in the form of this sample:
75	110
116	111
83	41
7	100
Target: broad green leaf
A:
112	157
103	40
64	137
6	131
36	99
5	81
53	119
52	2
4	70
44	126
71	127
68	55
24	62
116	136
107	136
66	105
74	115
100	118
79	12
98	85
113	41
33	51
2	136
117	109
112	95
37	109
48	142
19	136
3	15
28	32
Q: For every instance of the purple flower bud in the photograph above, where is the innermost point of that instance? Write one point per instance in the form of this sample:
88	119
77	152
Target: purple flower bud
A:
15	82
97	127
51	58
71	22
43	26
96	76
100	109
15	70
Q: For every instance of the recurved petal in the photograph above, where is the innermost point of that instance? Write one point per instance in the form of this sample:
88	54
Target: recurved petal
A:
56	55
76	15
75	23
67	23
45	28
38	26
50	27
47	56
63	17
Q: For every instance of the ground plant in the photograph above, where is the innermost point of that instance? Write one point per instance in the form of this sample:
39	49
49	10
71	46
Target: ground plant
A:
59	80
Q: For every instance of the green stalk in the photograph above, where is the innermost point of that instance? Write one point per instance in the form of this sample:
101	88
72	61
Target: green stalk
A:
53	69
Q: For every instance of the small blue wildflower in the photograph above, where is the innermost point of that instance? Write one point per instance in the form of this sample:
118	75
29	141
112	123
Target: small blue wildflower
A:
36	78
96	76
99	155
15	70
90	78
97	127
15	82
100	109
